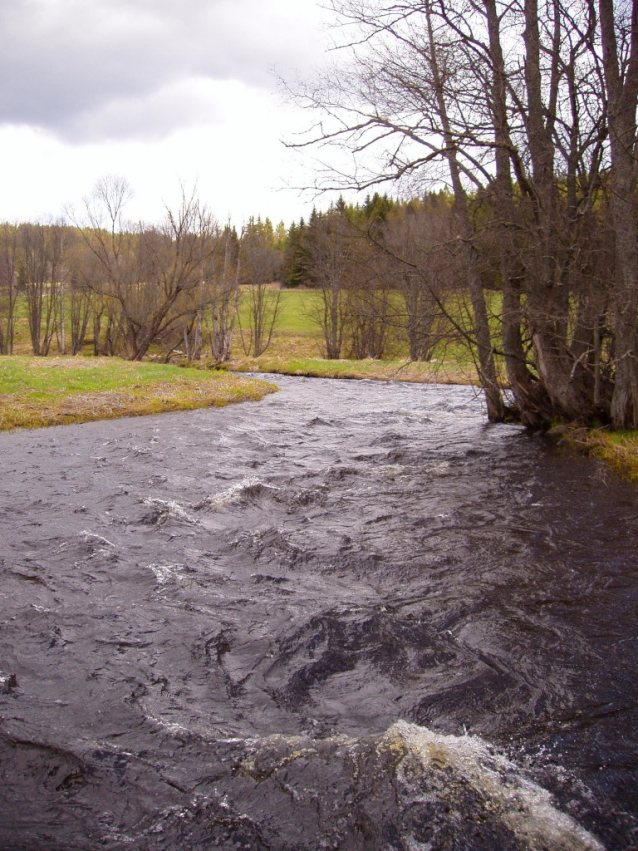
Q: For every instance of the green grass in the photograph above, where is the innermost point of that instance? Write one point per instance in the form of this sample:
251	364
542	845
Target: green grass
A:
297	349
294	315
380	370
38	392
618	449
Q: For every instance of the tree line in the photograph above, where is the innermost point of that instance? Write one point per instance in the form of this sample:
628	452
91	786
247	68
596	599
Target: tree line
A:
177	287
124	288
526	112
371	302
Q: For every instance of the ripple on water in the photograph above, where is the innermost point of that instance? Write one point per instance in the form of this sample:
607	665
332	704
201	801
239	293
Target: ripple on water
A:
268	627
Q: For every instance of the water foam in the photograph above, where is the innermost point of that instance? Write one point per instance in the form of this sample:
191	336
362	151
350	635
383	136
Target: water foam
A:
219	501
525	807
166	509
165	573
441	773
391	471
92	538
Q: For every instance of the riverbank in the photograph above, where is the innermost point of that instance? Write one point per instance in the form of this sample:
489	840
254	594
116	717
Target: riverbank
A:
400	369
38	392
619	450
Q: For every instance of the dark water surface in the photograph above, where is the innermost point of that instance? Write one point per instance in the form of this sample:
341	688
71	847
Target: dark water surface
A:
351	616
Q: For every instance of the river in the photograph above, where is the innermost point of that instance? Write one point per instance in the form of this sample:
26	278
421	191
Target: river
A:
351	616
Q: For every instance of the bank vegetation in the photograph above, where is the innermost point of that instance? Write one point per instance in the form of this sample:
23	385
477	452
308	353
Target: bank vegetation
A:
36	392
526	111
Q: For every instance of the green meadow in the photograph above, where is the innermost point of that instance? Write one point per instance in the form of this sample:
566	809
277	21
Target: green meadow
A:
36	392
297	349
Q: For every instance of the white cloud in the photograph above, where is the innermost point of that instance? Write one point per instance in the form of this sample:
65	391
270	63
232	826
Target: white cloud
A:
159	92
151	117
238	163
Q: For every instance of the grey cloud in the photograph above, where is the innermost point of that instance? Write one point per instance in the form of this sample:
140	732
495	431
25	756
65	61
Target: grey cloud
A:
90	69
148	116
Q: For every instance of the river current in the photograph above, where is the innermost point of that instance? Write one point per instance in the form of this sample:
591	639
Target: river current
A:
350	616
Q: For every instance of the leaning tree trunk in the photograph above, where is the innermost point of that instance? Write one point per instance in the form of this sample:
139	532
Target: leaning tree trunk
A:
548	300
532	401
622	93
485	349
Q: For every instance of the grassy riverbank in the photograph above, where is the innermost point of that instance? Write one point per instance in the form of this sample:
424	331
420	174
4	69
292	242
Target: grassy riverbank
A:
51	391
297	349
36	392
619	450
379	370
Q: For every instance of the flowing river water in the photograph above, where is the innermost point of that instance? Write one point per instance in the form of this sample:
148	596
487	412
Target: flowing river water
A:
350	616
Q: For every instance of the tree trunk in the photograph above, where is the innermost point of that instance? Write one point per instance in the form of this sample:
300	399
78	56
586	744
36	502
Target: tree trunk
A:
622	93
533	404
486	365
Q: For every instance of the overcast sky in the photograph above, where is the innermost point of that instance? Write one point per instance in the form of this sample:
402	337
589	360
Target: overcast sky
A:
157	91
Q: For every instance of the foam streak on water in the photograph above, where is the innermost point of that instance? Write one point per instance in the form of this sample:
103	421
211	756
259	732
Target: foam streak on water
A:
353	616
522	805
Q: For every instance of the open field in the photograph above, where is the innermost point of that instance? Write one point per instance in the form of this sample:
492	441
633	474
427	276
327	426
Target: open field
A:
296	335
37	392
432	372
297	347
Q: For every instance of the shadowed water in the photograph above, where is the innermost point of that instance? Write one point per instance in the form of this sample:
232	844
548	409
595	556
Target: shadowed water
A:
351	616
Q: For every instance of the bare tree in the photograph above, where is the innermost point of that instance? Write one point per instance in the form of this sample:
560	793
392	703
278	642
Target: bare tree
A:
619	30
149	270
82	273
523	137
329	242
222	278
41	249
8	286
421	268
260	264
397	93
370	313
